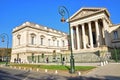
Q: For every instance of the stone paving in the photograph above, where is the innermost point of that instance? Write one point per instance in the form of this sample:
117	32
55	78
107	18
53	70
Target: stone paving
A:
109	72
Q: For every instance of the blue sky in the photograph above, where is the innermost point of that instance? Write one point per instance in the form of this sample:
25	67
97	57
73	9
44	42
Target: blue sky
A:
45	12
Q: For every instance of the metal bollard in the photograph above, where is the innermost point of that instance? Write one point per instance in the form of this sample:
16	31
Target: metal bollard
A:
56	71
46	70
37	69
79	73
101	63
104	63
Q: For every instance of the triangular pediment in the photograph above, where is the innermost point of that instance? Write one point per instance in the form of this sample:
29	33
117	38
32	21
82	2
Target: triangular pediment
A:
83	12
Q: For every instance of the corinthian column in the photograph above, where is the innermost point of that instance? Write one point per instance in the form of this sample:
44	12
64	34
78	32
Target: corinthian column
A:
90	35
78	38
72	38
97	33
83	36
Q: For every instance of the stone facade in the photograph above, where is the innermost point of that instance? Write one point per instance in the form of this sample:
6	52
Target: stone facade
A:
92	28
115	36
91	31
32	42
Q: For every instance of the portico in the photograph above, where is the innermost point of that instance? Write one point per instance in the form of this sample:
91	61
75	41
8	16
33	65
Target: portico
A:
88	27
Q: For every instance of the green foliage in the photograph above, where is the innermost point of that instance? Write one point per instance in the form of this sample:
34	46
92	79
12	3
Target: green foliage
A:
55	67
2	62
115	53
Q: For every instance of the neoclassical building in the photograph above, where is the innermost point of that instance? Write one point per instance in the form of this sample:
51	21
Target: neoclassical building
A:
92	28
91	31
34	43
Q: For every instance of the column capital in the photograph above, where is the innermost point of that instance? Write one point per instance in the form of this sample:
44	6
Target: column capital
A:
96	20
71	27
89	22
105	19
102	18
82	24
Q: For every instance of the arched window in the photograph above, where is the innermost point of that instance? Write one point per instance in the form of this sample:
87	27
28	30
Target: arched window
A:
18	37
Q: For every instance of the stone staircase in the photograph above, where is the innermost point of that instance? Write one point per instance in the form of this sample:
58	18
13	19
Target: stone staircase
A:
87	55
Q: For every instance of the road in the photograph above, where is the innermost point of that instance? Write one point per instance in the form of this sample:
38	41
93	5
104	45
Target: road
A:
15	74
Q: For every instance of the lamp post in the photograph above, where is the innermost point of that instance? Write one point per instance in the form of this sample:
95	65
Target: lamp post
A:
62	11
3	37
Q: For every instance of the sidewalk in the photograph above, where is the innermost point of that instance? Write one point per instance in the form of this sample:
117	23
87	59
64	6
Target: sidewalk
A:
110	72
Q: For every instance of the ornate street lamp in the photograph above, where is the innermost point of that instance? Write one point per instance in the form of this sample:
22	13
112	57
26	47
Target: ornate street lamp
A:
62	11
2	36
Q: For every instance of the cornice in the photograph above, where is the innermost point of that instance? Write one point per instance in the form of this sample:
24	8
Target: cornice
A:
37	27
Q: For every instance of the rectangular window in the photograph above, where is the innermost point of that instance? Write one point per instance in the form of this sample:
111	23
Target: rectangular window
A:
63	43
32	57
57	43
19	37
48	42
18	41
53	42
41	41
32	40
115	35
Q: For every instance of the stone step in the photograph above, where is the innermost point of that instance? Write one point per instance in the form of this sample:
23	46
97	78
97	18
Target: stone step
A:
87	56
